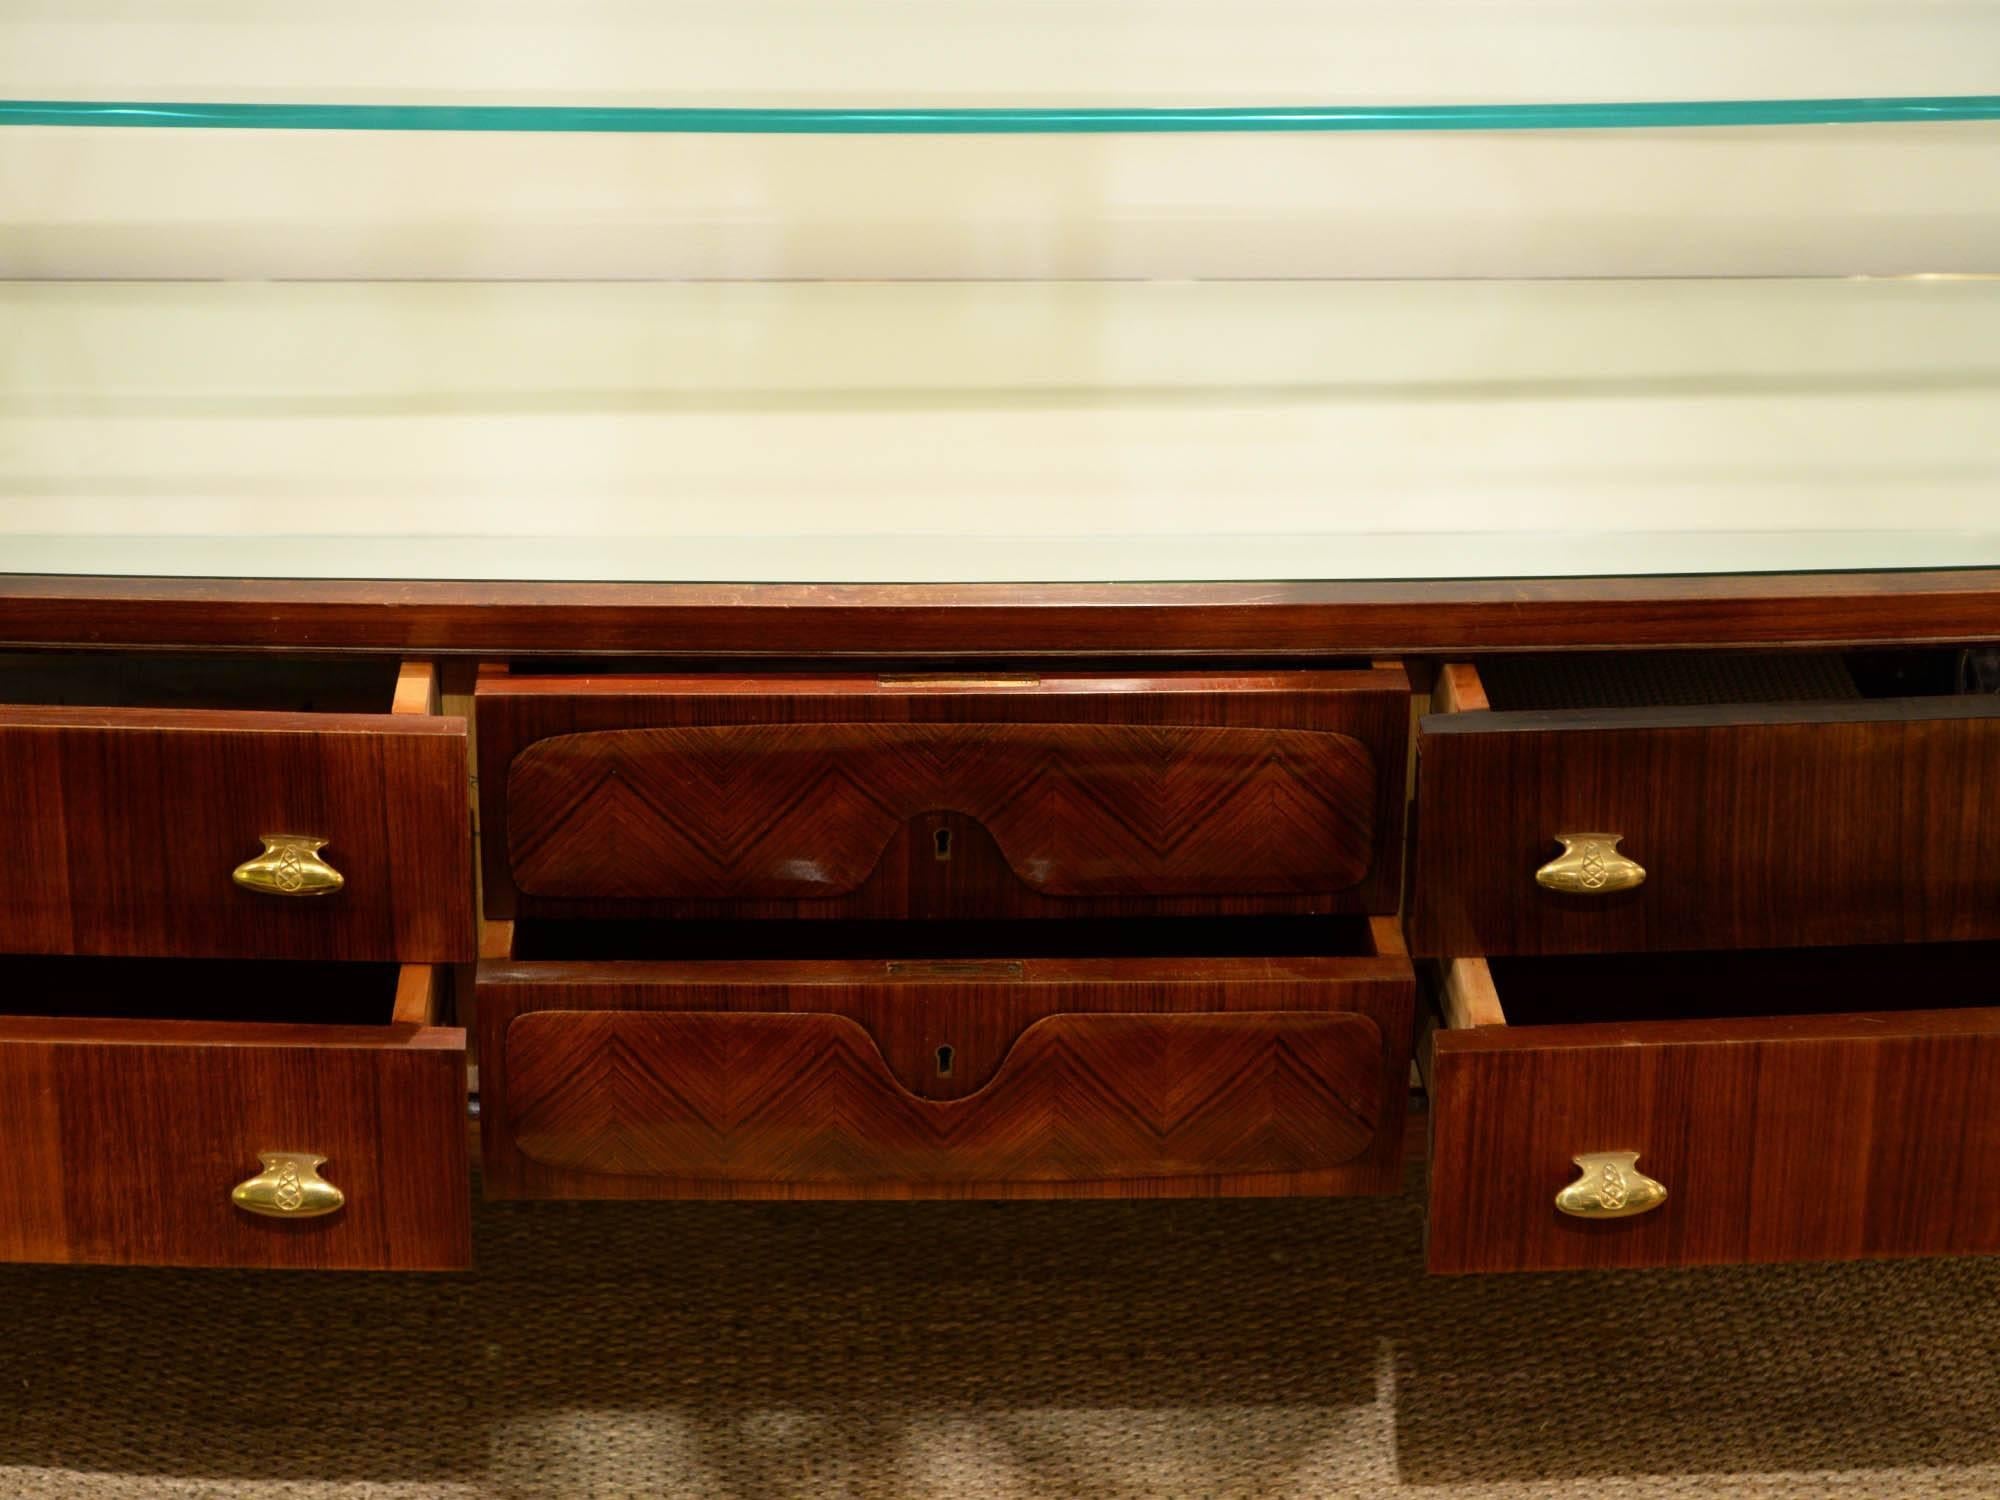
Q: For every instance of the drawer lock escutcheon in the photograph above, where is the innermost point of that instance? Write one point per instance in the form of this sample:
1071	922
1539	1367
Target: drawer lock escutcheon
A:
289	866
1590	865
1610	1186
289	1187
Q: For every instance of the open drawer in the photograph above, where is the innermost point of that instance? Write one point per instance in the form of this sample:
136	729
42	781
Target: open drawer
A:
833	1060
161	806
1591	1112
1056	793
155	1112
1626	803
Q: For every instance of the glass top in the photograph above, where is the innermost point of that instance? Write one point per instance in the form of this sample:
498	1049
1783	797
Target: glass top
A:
999	431
950	120
996	139
876	66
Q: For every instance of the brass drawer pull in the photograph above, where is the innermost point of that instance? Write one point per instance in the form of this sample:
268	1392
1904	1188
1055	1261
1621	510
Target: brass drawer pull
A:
289	1187
1590	865
1610	1186
289	866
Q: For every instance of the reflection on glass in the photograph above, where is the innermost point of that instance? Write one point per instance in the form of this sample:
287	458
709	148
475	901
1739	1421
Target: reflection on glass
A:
1005	431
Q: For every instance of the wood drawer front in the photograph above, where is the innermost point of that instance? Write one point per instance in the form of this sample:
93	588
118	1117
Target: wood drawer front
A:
121	1141
880	797
119	830
1874	822
1105	1079
1805	1137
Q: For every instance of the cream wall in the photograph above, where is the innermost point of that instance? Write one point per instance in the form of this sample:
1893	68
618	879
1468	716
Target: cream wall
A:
996	51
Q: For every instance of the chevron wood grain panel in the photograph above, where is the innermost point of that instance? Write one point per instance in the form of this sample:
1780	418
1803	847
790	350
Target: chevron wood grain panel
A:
857	1078
790	810
808	1098
849	796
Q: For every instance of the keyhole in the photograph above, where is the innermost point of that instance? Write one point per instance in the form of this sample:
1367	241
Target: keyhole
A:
944	1056
941	842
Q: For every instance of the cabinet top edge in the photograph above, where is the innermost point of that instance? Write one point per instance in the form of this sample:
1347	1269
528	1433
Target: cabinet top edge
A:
1307	619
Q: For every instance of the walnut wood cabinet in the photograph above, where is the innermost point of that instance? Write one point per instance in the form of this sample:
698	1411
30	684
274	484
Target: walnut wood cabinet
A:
1005	894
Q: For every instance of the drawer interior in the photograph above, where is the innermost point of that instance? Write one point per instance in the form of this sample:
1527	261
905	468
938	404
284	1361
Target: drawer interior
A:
918	671
553	940
356	685
1587	989
144	989
1673	679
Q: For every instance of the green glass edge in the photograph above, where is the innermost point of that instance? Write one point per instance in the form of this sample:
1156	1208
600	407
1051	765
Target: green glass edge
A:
623	120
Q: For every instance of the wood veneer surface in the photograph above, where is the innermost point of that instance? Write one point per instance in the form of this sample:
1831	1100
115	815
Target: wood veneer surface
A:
808	1099
1802	1137
842	795
121	826
813	1078
124	1138
902	620
1868	821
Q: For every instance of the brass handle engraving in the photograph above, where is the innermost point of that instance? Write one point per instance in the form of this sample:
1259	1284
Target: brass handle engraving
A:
1590	865
289	1187
289	866
1610	1186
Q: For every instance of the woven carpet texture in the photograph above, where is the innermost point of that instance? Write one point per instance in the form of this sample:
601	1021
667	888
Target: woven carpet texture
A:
1214	1349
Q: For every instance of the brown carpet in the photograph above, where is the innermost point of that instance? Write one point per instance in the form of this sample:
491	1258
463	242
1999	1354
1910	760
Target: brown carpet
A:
1047	1350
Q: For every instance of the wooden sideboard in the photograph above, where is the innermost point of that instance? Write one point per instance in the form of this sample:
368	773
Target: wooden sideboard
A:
1680	893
